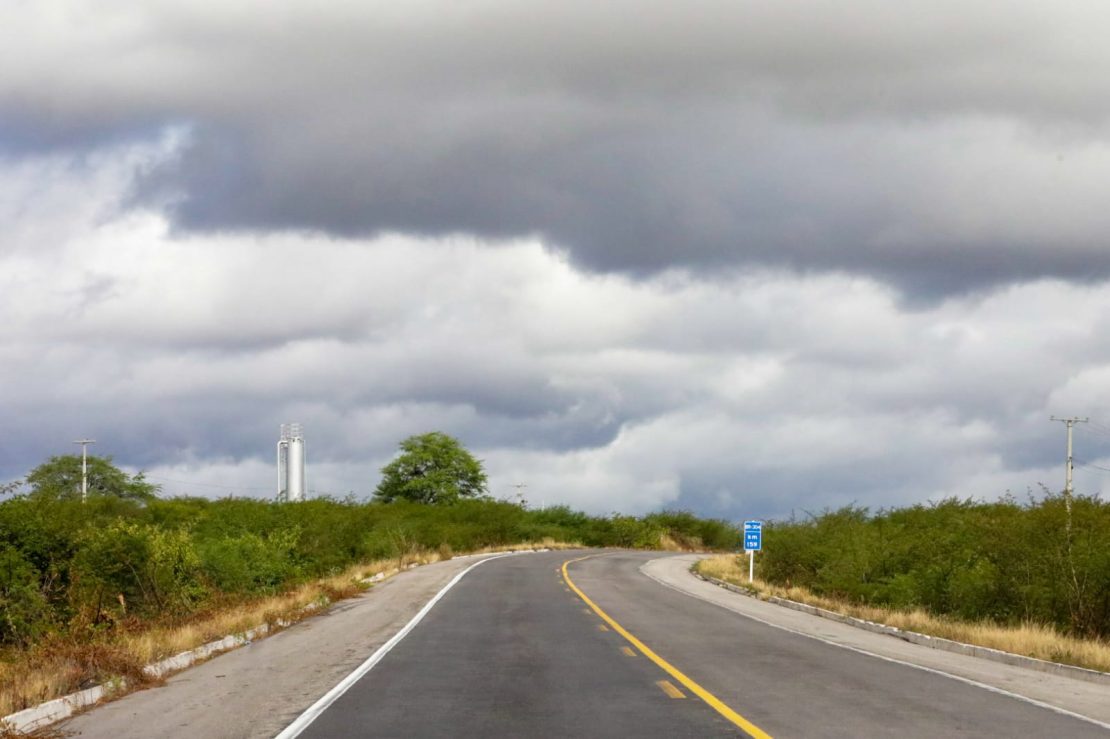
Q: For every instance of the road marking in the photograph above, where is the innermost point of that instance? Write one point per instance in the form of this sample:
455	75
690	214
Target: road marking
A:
628	651
587	611
711	700
668	687
602	627
313	712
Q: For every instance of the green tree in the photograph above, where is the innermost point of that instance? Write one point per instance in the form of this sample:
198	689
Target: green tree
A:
432	468
59	478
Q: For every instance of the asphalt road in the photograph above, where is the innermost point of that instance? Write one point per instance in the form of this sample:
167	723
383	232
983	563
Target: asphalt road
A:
513	651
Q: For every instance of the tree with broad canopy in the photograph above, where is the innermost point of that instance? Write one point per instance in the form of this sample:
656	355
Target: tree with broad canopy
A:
432	468
60	478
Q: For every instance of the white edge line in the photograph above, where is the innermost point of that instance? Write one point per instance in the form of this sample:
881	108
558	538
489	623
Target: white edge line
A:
313	712
967	680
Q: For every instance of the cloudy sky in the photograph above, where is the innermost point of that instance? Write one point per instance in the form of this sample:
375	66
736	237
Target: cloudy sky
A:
742	258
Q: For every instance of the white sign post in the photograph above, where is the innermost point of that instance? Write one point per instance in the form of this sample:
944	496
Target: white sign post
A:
753	542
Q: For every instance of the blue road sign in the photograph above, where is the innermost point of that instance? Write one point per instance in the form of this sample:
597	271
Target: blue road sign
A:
753	536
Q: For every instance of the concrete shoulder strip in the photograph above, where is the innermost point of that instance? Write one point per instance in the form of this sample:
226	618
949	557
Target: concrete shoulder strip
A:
935	642
44	714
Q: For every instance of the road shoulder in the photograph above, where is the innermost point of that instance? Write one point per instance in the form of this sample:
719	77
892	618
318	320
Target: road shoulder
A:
257	690
1061	693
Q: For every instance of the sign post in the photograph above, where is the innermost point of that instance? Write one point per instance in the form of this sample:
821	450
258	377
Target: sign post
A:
753	542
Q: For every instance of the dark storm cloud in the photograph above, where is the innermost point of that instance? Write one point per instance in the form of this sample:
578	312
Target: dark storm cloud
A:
640	202
934	145
27	133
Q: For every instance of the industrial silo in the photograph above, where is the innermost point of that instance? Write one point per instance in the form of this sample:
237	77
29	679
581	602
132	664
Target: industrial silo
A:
290	460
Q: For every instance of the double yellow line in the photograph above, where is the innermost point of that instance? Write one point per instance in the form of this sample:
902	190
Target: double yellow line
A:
713	701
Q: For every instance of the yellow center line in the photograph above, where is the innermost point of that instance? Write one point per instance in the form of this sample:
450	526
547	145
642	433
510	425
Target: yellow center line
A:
668	687
711	700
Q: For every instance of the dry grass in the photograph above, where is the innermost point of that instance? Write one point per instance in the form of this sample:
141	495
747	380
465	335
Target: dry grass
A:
1030	639
545	543
60	666
677	543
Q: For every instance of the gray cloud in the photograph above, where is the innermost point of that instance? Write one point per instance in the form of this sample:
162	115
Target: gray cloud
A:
933	145
635	256
752	393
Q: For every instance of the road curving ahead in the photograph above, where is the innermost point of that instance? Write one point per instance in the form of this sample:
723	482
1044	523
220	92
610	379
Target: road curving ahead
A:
584	644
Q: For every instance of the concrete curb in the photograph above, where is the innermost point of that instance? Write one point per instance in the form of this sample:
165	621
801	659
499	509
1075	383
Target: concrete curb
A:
44	714
934	642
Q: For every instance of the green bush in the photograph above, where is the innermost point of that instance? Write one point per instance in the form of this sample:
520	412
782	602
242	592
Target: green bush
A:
249	563
134	568
24	611
124	554
1003	561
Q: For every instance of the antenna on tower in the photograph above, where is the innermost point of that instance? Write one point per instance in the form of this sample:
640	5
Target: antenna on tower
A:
520	493
85	466
290	463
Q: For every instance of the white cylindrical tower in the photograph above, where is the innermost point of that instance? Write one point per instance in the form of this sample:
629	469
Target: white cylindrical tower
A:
291	464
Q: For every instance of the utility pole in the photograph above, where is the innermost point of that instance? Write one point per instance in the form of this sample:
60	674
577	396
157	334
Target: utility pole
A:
85	466
519	495
1070	463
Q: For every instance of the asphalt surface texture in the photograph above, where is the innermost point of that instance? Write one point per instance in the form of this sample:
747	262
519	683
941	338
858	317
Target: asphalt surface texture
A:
513	651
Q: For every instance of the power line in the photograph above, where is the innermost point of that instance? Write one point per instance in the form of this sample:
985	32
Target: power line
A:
1098	429
1092	465
207	484
230	487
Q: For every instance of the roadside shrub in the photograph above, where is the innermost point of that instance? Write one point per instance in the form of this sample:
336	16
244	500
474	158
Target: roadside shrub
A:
389	541
249	563
24	611
124	556
134	568
1003	561
635	533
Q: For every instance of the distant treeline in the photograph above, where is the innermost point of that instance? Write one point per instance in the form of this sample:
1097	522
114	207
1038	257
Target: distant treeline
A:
127	555
1005	561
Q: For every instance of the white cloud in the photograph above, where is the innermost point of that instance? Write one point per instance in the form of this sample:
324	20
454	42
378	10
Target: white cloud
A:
743	394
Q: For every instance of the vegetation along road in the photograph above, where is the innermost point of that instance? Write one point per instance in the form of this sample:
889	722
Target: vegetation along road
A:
592	643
